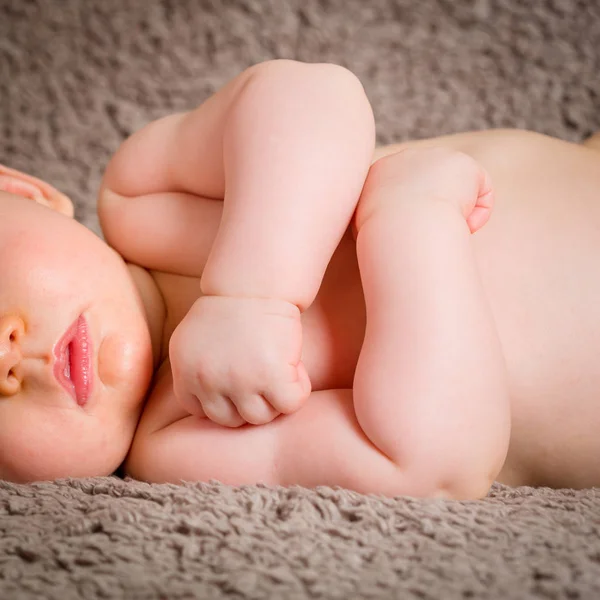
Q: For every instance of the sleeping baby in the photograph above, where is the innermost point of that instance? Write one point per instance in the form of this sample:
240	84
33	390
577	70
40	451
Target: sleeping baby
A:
280	302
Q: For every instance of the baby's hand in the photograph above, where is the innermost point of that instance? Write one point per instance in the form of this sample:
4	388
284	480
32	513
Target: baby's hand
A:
434	173
238	360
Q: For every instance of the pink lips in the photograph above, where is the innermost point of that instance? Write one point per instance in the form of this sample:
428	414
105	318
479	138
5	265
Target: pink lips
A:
73	361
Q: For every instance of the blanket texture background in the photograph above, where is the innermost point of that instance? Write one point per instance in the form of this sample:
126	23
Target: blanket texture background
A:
77	77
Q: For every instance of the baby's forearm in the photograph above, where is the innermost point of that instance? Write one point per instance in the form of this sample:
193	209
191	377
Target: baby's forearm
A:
297	145
430	388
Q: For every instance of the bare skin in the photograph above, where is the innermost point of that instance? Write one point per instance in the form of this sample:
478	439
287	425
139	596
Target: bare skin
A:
497	380
536	257
541	237
54	271
526	270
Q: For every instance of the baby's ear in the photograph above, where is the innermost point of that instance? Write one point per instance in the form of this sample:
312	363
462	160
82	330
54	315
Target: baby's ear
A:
15	182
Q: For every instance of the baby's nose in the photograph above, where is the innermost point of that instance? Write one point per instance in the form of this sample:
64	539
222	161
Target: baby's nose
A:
11	331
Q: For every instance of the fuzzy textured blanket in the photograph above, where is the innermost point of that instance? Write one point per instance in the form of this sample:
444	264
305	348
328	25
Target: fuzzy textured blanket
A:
75	79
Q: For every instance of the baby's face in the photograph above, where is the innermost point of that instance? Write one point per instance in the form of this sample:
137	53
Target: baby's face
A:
75	352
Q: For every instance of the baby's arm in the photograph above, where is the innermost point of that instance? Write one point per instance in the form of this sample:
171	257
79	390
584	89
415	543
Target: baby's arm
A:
288	145
430	388
297	145
430	411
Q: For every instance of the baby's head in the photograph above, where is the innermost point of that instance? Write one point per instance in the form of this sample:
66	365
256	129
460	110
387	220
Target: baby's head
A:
75	351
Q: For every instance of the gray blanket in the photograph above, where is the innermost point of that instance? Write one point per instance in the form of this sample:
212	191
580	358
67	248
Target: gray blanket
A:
75	79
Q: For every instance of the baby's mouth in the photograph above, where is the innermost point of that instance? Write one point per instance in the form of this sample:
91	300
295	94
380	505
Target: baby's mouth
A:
73	361
67	370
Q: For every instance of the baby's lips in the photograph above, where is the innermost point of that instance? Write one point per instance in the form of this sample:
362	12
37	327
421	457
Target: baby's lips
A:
21	184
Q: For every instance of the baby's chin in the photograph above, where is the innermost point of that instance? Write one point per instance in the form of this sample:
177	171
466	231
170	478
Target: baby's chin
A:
101	456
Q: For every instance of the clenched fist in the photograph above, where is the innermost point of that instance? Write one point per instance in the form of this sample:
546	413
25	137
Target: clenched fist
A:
238	360
433	173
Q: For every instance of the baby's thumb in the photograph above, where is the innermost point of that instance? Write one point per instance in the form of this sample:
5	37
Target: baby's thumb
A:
188	401
304	380
288	397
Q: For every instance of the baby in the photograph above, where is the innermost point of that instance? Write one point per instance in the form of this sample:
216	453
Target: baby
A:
281	303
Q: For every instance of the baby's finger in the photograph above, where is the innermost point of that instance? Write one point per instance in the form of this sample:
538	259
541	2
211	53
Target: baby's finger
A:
189	402
484	204
288	396
221	410
195	407
255	409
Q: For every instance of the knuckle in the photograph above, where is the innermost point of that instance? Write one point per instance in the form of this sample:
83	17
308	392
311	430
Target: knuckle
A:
256	411
288	403
255	418
222	412
210	412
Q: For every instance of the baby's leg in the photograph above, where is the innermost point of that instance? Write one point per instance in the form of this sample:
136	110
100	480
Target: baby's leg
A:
430	389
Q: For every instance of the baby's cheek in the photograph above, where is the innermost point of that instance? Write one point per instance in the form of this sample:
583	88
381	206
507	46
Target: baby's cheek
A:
117	360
